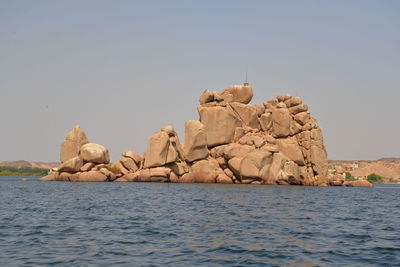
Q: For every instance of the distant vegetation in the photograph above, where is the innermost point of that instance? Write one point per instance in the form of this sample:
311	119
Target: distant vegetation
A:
374	178
22	171
349	177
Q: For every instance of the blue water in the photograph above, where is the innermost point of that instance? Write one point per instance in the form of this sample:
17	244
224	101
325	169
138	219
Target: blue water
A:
150	224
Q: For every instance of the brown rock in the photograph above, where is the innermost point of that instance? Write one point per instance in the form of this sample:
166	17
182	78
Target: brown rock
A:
144	175
195	147
236	150
222	178
293	102
168	129
204	171
172	155
239	132
129	164
110	175
234	166
95	153
238	93
173	178
270	104
266	121
87	167
133	155
248	114
358	183
302	118
132	177
280	122
260	109
220	124
228	172
206	97
186	178
319	158
91	176
283	98
299	108
159	172
52	176
72	143
295	128
157	150
176	144
118	168
292	173
71	165
252	164
273	174
179	168
291	149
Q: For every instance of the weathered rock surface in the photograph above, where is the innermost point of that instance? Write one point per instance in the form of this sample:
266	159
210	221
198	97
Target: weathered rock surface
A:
276	142
71	165
220	124
157	150
238	93
195	147
91	176
95	153
73	141
358	183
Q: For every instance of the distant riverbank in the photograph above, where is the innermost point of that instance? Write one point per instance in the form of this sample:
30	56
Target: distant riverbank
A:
22	171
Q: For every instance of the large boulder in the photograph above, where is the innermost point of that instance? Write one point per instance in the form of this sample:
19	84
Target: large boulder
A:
238	93
236	150
195	147
129	164
157	150
280	121
71	165
273	174
252	164
206	97
72	143
95	153
247	113
133	155
291	149
220	124
319	158
91	176
205	171
234	167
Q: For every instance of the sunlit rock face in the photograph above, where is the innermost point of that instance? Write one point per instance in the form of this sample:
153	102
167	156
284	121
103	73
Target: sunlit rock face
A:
274	142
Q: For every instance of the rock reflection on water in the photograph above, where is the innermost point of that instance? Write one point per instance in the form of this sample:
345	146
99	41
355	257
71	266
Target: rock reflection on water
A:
134	224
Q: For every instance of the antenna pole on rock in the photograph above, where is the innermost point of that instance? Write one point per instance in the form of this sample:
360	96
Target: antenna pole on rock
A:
247	70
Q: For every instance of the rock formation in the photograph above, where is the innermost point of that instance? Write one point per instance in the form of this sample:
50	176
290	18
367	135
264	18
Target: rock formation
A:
276	142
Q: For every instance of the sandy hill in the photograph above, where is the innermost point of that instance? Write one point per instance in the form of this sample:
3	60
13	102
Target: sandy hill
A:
385	167
24	163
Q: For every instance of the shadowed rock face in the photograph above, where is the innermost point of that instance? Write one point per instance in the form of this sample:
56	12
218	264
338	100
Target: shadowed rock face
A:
276	142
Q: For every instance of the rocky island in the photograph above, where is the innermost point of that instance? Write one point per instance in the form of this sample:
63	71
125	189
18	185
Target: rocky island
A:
275	142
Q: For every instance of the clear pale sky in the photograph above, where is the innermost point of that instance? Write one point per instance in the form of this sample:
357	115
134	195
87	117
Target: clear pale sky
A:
123	69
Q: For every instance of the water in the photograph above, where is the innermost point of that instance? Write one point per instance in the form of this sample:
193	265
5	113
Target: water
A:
149	224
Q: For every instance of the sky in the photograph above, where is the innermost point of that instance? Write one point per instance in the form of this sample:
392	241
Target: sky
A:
123	69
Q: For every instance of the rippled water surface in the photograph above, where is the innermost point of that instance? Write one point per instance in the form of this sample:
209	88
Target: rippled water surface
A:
142	224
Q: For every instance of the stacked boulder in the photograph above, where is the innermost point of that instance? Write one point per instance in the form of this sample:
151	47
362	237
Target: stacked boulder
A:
276	142
81	161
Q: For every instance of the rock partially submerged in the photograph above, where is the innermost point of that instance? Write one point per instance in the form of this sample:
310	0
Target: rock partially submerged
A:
276	142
